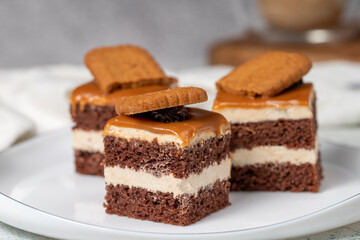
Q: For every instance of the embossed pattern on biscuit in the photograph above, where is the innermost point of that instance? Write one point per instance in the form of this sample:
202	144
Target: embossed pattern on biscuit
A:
266	75
160	100
123	67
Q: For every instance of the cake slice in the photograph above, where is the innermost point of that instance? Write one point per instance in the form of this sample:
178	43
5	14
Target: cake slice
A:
274	144
170	164
93	103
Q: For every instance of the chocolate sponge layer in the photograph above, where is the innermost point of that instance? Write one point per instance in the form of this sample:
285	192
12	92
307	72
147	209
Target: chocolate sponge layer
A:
277	177
290	133
162	207
92	117
89	163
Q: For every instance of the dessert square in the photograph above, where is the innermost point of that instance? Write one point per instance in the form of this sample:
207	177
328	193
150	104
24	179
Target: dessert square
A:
90	110
174	172
274	143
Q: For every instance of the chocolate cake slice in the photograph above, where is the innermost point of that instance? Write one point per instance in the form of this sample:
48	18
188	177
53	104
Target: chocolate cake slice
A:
172	169
274	143
90	110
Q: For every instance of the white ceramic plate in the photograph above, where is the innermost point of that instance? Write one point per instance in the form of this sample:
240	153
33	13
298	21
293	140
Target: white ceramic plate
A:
41	193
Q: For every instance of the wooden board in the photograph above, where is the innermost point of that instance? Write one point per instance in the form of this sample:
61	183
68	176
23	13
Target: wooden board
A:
236	51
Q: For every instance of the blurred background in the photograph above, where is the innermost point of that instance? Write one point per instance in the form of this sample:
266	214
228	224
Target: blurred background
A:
180	34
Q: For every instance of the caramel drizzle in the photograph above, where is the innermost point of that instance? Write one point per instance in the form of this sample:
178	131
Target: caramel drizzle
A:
90	93
298	96
199	121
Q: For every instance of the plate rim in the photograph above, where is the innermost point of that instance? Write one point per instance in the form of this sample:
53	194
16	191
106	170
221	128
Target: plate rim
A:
232	232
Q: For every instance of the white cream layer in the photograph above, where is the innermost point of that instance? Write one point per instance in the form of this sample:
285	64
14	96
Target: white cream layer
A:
129	133
241	115
274	154
168	183
90	141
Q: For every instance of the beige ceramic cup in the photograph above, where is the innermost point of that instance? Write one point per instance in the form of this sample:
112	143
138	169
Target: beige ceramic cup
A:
302	15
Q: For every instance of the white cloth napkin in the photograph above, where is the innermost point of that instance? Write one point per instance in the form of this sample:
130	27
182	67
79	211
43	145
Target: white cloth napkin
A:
12	127
36	100
338	92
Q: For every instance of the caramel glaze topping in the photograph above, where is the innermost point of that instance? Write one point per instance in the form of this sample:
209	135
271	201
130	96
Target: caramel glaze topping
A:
297	96
90	93
199	121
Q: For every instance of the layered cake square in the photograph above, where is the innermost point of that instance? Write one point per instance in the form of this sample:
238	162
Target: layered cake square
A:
93	103
274	143
167	163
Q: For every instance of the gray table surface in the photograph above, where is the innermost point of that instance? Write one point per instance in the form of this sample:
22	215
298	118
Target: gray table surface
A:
351	231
